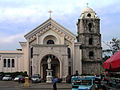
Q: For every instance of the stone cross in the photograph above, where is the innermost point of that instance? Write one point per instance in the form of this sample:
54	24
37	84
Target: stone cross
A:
50	13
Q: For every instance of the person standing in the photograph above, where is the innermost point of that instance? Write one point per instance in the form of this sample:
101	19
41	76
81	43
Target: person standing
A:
76	74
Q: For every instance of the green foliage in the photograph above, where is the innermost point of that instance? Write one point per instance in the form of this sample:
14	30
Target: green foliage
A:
114	46
106	57
14	74
115	43
24	73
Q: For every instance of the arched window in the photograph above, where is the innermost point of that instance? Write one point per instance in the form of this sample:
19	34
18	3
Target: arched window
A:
13	63
50	42
91	54
69	53
4	64
8	62
90	41
90	26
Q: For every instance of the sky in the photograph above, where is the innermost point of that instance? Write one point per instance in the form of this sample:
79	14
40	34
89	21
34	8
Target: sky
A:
18	17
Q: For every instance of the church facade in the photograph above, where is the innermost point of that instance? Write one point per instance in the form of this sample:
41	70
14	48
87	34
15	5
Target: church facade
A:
51	40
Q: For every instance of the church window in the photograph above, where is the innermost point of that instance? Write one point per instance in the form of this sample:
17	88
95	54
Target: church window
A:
90	41
8	62
89	15
13	63
91	54
50	42
4	64
32	52
69	53
90	26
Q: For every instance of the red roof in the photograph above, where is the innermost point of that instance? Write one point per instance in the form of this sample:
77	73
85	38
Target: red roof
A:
113	63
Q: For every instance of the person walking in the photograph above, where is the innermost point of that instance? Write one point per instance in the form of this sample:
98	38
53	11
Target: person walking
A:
54	84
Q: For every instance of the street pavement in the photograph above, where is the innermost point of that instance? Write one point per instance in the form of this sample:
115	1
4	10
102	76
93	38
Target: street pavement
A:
28	89
11	85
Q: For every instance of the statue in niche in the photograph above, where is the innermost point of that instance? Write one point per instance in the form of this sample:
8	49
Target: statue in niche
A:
49	63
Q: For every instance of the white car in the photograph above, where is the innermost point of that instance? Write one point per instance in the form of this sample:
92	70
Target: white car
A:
17	78
7	77
36	79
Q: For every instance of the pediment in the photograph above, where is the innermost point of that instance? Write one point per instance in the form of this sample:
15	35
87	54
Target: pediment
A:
47	25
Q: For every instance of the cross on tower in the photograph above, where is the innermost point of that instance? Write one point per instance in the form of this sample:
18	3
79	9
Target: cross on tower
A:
50	13
87	4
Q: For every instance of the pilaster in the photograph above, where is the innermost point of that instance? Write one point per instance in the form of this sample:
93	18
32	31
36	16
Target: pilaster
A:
35	64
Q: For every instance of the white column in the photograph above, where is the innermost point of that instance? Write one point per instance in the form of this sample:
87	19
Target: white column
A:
16	65
72	54
65	66
35	64
7	64
28	61
2	63
10	64
61	69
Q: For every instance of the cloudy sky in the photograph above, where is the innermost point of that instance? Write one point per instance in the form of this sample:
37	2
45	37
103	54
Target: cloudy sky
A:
18	17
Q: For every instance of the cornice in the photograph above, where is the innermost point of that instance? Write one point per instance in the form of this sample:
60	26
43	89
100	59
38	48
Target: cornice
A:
51	27
11	52
23	43
47	25
45	45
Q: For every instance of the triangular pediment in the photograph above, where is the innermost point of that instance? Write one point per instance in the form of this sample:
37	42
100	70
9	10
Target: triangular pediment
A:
47	25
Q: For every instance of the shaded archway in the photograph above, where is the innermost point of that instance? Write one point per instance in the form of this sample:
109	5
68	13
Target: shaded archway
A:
55	64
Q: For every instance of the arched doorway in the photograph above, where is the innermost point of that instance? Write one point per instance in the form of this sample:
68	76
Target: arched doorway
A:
55	66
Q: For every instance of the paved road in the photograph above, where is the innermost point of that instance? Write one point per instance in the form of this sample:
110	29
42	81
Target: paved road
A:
28	89
11	85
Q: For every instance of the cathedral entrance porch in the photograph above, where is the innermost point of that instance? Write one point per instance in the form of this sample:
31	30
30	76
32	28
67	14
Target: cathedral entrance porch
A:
55	66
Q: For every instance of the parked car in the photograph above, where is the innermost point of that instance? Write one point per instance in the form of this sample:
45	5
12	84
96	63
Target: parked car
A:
21	79
7	77
35	79
1	76
17	78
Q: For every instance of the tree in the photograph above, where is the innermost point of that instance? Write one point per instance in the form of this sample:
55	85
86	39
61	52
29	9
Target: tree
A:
114	46
106	54
115	43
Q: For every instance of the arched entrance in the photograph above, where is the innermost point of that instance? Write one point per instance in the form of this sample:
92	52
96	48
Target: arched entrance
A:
55	66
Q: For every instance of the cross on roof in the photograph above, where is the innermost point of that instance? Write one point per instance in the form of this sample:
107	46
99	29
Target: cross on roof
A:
50	13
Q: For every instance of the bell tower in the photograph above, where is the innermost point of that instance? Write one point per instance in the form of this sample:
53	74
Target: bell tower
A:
89	36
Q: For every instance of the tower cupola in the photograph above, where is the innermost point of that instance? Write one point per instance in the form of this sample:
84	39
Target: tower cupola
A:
88	13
